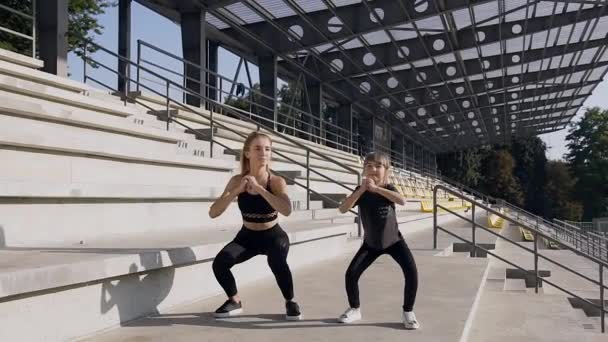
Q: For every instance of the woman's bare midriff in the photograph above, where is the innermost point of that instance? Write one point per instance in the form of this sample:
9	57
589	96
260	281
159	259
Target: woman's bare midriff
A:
260	226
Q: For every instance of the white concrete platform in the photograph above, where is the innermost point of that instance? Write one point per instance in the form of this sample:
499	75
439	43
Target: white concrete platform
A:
447	289
176	269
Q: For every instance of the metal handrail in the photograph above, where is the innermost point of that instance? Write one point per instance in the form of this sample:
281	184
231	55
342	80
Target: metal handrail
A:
572	234
219	124
594	243
475	204
31	17
351	146
223	78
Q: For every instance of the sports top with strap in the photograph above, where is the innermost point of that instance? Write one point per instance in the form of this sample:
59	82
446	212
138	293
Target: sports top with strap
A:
255	209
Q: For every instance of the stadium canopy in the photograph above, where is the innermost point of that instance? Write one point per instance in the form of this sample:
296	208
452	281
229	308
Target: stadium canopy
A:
449	74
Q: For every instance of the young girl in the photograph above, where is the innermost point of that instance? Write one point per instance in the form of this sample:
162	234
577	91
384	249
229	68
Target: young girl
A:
261	196
376	200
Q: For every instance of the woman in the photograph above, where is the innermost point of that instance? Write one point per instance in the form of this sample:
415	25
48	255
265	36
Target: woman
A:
261	196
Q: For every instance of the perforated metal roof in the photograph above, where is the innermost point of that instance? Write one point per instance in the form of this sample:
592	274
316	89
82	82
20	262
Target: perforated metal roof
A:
449	73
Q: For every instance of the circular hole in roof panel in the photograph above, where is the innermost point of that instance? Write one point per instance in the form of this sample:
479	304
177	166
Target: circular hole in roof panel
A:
369	59
379	13
337	65
421	6
516	29
392	82
438	44
450	71
335	25
365	87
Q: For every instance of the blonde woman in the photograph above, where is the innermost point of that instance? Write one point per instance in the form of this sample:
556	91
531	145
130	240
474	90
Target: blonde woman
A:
376	199
261	196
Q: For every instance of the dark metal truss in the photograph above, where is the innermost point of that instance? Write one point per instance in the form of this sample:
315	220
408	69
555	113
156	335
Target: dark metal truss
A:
449	74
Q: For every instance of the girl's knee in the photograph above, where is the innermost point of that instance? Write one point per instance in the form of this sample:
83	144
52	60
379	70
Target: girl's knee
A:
351	276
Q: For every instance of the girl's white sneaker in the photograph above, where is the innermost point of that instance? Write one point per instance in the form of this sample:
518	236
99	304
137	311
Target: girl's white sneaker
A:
409	320
350	315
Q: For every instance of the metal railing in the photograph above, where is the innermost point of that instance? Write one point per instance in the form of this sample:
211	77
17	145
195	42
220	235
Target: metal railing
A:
27	16
294	120
535	253
214	123
582	225
586	242
591	242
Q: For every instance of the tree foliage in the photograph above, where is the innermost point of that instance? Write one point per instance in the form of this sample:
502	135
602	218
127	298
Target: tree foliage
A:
499	180
559	193
588	161
82	23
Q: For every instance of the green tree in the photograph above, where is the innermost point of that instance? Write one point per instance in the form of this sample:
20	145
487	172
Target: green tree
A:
463	166
560	191
588	160
289	99
249	101
499	180
82	22
530	170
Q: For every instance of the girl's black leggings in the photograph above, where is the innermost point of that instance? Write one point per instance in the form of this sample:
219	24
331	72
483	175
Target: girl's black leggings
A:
367	255
273	242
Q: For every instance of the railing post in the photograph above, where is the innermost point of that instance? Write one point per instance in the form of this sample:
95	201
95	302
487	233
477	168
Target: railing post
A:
603	308
435	218
359	230
307	179
536	261
474	250
211	133
34	28
138	63
168	111
84	58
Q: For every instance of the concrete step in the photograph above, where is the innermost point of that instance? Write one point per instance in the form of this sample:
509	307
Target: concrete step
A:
57	137
113	282
20	60
27	73
34	89
179	111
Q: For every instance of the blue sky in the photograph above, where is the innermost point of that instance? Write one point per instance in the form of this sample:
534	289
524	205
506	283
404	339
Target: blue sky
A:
159	31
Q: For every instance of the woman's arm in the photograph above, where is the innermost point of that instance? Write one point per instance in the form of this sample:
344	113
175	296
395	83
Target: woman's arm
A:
235	186
278	198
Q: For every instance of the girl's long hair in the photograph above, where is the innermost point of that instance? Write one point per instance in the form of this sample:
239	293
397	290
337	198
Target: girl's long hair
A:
245	165
382	158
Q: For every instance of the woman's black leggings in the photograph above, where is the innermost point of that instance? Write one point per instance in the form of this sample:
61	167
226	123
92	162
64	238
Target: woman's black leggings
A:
367	255
248	243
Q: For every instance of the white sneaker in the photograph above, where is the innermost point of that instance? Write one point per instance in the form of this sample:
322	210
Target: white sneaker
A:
350	315
409	320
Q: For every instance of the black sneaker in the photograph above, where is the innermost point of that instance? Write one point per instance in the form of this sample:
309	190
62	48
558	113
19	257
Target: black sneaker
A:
228	309
293	311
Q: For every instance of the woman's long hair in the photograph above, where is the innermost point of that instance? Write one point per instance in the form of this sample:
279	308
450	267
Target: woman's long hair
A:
245	165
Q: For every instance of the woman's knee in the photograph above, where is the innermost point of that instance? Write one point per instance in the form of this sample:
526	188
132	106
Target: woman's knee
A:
222	261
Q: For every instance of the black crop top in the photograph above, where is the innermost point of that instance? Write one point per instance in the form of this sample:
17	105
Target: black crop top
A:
255	209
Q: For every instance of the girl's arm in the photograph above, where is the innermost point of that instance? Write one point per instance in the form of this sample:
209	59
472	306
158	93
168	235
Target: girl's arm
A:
391	195
235	186
350	201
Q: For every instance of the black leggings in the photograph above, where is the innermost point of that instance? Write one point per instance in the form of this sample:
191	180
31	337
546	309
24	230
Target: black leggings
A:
248	243
367	255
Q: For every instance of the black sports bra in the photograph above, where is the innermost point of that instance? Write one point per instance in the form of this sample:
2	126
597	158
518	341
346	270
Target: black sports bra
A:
255	209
